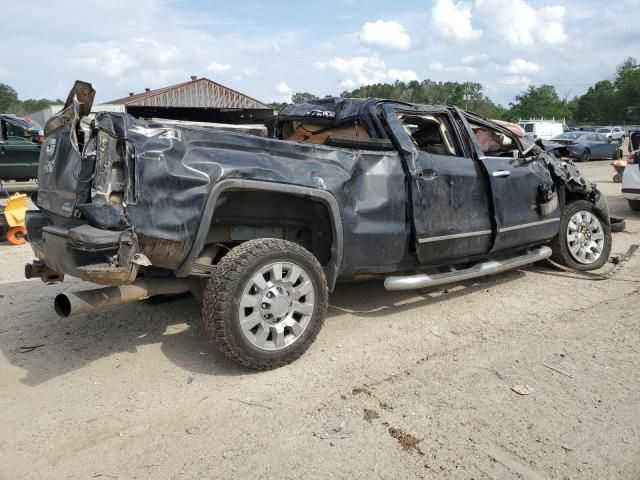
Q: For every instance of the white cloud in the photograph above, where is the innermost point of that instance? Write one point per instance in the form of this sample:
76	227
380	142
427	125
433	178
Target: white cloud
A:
521	25
216	67
363	70
282	88
441	67
519	66
551	24
360	70
385	34
114	60
520	81
453	20
475	59
402	75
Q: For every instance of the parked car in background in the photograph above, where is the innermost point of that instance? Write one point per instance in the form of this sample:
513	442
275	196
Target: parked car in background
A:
631	175
587	129
19	149
634	141
631	181
585	146
612	133
542	129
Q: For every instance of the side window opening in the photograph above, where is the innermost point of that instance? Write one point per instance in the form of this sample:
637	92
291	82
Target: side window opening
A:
430	134
15	132
495	143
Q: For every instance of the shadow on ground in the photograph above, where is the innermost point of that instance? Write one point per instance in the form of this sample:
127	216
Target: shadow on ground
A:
66	345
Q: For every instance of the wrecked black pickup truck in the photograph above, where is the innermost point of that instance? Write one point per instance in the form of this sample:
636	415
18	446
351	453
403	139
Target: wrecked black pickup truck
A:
260	228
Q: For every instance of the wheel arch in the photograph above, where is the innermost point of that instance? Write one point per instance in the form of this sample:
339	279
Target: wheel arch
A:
332	267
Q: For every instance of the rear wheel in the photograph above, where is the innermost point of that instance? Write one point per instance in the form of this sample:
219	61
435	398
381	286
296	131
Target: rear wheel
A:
17	235
584	239
265	303
634	205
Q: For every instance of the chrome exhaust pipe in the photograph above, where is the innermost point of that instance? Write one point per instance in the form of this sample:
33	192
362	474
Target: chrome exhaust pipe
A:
69	304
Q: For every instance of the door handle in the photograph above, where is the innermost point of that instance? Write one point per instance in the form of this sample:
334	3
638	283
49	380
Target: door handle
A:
501	173
428	174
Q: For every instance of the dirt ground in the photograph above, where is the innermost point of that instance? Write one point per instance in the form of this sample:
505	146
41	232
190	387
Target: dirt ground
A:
397	385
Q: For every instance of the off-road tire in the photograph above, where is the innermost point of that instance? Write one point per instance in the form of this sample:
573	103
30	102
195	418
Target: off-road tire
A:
634	205
559	245
225	287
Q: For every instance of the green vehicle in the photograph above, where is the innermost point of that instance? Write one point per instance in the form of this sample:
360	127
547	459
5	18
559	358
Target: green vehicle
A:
20	146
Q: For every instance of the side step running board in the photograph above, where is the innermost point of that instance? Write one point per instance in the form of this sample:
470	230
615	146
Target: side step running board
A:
488	267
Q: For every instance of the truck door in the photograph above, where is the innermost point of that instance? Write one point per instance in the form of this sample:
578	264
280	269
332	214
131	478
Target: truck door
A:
19	154
450	202
525	202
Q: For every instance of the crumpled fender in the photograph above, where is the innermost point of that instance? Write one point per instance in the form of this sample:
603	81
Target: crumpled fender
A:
574	182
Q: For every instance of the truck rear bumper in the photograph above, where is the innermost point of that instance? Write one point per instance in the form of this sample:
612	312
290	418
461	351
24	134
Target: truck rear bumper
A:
100	256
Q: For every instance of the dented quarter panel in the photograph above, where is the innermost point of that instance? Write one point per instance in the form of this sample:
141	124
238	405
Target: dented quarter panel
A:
176	168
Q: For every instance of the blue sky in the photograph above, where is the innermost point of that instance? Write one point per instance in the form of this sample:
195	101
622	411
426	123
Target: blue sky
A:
271	50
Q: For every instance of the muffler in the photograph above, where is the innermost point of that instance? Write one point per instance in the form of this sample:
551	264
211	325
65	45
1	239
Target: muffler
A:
69	304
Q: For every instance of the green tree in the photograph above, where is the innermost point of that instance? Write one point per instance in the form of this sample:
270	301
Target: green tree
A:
8	98
598	105
32	105
277	106
469	95
302	97
538	102
627	88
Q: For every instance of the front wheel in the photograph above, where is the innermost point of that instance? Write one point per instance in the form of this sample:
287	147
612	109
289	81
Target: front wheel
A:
586	156
265	303
584	240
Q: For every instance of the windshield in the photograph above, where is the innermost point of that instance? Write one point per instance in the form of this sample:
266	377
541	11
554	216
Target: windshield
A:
528	127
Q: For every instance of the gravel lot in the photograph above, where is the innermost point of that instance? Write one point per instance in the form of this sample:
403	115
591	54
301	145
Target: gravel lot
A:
397	385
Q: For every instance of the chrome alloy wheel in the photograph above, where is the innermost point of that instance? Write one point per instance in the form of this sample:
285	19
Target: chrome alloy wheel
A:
585	237
276	306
